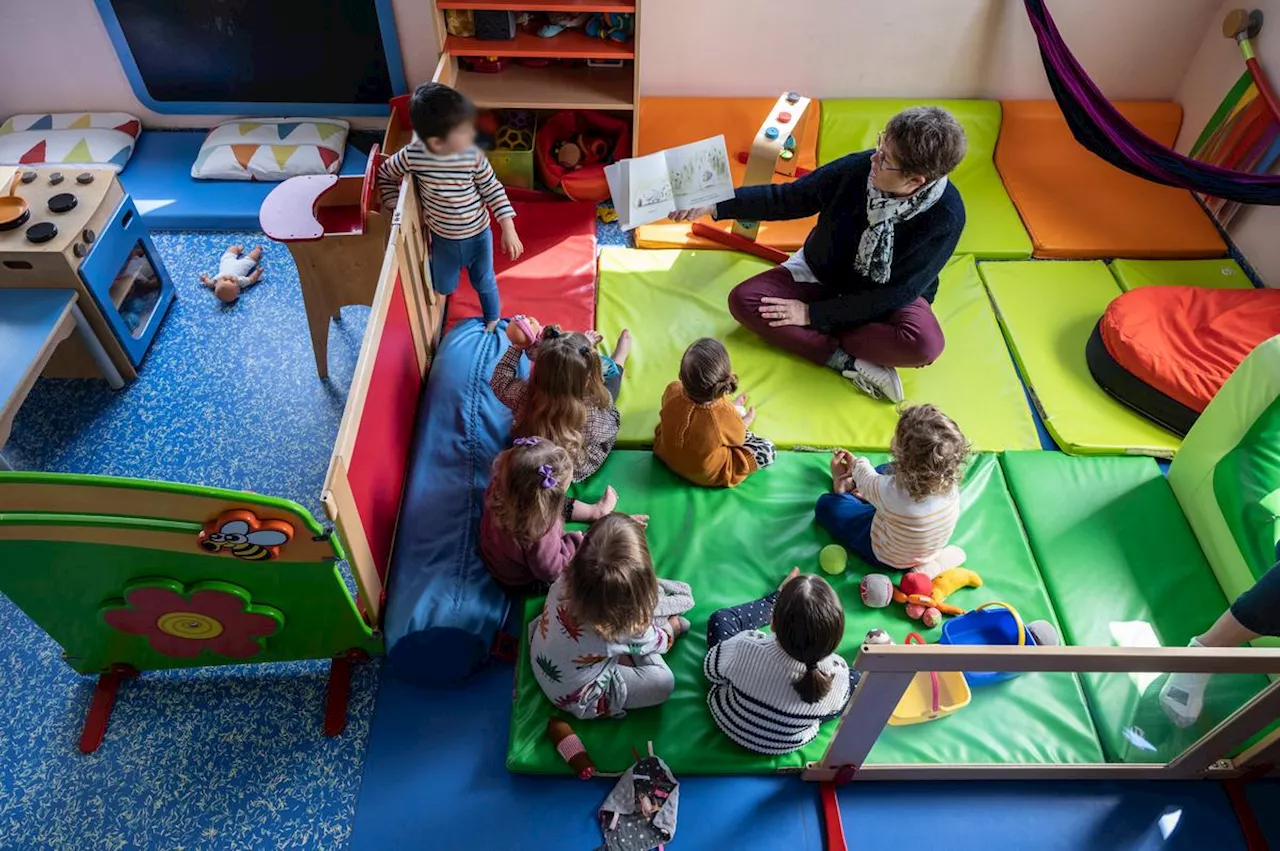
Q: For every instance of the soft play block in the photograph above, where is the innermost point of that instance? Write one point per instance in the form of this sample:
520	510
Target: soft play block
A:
733	546
443	610
1078	206
159	179
1124	570
1048	310
1222	274
668	122
670	298
993	229
555	278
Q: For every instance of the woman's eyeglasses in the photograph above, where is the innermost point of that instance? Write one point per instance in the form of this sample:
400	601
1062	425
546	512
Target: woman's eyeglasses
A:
880	153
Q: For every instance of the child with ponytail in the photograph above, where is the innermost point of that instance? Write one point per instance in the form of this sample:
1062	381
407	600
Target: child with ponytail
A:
770	691
522	536
566	399
700	433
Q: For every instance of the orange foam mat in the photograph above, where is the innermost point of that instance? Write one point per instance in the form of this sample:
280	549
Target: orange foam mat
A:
1077	206
667	122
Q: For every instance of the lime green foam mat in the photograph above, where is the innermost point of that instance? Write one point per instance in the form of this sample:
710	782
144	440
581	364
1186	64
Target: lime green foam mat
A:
1124	570
1220	274
733	546
993	230
670	298
1047	310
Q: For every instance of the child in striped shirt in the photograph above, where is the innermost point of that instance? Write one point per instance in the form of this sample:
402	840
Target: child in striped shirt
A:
770	691
457	189
901	515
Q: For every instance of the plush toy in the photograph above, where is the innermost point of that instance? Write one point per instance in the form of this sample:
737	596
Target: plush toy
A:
950	581
924	599
1045	634
558	22
611	26
876	590
460	22
570	748
877	636
523	331
568	154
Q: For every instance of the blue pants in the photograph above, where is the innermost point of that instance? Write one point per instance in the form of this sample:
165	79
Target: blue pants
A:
848	519
475	254
1258	609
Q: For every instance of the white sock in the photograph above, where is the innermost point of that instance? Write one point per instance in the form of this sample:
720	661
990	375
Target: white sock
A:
1182	697
944	559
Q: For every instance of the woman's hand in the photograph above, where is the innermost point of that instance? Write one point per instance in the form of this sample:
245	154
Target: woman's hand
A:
691	214
784	311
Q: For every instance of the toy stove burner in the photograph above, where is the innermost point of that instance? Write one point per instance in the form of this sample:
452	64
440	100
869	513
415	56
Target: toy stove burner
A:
62	202
42	232
18	222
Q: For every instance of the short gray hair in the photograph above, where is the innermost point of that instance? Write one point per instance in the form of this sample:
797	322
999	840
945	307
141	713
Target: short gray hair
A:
928	141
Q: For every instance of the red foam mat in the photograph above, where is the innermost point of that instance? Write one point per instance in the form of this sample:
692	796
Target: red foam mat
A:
555	279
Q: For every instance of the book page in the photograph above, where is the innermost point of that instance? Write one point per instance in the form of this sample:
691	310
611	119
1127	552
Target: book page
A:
646	194
699	173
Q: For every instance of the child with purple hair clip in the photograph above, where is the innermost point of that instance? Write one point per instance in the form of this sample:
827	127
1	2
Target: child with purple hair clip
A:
522	536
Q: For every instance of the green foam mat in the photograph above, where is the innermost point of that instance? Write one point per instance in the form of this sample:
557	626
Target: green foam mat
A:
1124	569
993	229
1048	309
1221	274
670	298
733	546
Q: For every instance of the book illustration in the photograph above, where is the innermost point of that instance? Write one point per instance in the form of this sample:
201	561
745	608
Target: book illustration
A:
646	189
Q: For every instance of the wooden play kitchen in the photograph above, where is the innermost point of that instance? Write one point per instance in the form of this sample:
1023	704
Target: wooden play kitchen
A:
77	230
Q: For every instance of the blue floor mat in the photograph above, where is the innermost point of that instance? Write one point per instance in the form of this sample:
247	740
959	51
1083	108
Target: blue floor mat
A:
159	179
435	767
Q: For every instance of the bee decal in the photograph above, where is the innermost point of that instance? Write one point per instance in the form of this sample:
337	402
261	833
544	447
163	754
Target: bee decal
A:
241	534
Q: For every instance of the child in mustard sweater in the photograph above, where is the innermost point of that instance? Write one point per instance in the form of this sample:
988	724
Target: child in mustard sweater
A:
701	435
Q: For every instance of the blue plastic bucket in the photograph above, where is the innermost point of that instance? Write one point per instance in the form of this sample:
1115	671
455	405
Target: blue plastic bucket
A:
998	627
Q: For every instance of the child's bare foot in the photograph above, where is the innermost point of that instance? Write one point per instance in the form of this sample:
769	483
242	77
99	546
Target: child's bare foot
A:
235	249
841	475
679	625
623	350
795	571
256	254
606	504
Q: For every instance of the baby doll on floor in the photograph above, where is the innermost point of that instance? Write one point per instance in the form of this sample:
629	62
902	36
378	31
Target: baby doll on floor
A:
236	273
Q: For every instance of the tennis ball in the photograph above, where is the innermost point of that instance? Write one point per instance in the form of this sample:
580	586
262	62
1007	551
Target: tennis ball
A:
833	559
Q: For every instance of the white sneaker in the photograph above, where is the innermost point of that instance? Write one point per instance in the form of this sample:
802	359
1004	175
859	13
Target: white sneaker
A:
875	380
946	558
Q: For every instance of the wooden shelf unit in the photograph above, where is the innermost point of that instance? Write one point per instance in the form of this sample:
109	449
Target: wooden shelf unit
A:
556	86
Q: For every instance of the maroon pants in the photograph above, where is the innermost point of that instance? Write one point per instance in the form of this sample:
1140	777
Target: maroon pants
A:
909	336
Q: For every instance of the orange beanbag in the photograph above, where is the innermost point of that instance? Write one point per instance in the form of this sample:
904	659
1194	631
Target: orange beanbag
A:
1186	341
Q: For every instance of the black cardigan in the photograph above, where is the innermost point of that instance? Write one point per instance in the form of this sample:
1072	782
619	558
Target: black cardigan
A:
837	192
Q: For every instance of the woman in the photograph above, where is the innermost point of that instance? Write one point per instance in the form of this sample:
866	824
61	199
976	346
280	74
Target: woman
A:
856	297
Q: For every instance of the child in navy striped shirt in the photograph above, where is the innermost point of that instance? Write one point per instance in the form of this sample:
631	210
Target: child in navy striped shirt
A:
457	189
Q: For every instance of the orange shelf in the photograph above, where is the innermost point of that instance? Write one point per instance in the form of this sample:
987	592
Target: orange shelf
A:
567	45
539	5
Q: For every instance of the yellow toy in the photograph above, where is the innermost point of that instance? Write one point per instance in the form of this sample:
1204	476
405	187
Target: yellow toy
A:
950	581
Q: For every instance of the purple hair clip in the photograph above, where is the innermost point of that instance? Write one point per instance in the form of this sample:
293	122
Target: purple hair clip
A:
525	441
548	477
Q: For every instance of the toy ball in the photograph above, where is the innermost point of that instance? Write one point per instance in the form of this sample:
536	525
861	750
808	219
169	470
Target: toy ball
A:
915	611
916	583
513	139
877	636
931	617
876	590
487	122
519	119
834	558
1044	633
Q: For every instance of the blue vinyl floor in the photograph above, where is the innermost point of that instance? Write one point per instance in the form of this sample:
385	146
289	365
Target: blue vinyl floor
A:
235	758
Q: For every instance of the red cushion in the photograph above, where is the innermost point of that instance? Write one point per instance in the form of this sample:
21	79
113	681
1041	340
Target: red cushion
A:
1186	341
555	279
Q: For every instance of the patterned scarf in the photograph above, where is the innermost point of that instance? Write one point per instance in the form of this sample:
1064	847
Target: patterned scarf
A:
875	249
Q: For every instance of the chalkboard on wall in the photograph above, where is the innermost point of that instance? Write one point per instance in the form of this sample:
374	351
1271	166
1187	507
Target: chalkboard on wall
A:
323	52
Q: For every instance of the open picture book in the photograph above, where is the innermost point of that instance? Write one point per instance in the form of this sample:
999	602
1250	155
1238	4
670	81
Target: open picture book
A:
649	188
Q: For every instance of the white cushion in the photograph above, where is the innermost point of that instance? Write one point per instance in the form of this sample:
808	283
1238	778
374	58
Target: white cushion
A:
100	148
271	149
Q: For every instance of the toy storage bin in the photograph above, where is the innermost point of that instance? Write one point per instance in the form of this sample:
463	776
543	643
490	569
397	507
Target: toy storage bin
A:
992	626
515	166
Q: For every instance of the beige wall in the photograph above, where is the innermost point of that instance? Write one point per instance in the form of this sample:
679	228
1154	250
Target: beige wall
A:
1135	49
825	48
1210	75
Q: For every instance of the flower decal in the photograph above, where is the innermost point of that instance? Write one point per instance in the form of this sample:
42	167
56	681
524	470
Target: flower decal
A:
181	622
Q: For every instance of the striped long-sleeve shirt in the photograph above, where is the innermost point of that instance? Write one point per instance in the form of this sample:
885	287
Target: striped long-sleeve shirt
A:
454	189
905	532
753	700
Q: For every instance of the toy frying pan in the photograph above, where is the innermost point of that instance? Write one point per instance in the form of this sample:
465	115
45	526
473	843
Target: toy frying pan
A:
13	208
